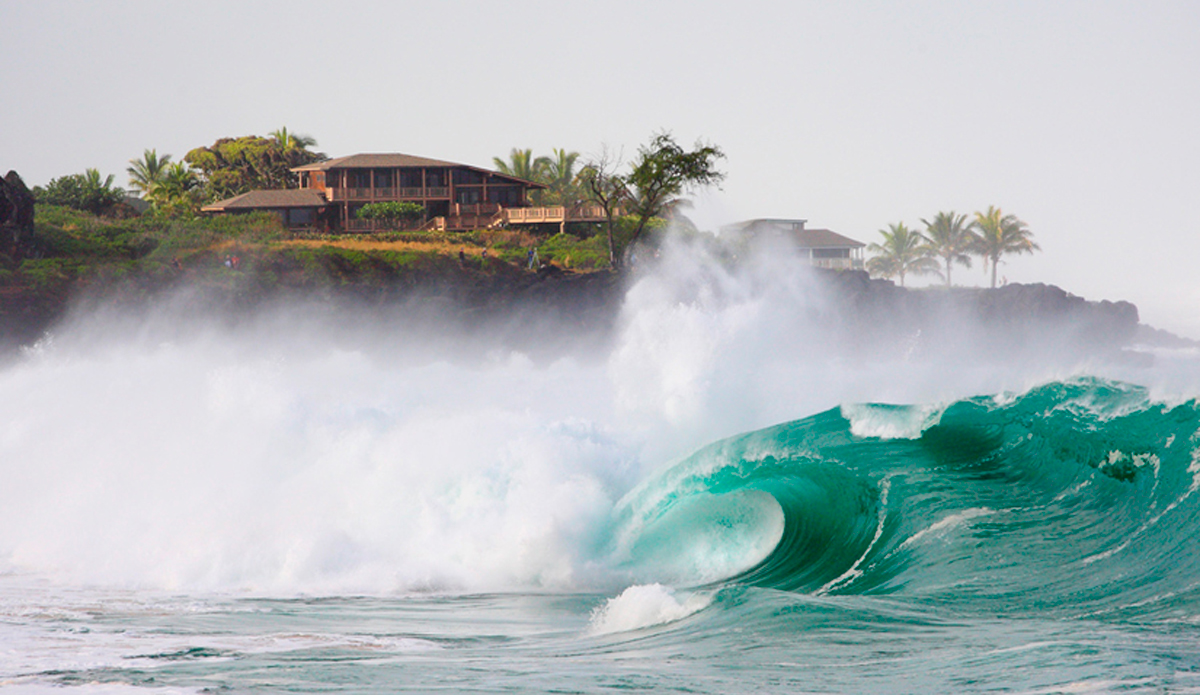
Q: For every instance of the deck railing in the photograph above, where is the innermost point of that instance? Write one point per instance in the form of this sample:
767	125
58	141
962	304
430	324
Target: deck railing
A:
476	209
390	193
838	263
554	213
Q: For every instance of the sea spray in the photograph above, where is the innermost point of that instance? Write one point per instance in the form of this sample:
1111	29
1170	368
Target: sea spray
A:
643	606
294	500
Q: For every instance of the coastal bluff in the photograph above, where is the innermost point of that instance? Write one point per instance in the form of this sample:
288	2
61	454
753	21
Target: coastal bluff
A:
1007	322
860	316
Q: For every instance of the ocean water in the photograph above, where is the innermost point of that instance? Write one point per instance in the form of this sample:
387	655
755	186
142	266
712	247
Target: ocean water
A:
718	498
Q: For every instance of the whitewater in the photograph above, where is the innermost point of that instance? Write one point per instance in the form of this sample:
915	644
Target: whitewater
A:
722	494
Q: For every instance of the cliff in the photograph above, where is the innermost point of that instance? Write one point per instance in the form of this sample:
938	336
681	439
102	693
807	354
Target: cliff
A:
866	318
1007	322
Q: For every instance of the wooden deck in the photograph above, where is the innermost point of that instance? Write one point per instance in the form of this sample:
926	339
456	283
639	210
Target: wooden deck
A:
465	217
557	214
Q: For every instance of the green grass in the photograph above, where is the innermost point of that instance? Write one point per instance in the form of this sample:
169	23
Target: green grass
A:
74	249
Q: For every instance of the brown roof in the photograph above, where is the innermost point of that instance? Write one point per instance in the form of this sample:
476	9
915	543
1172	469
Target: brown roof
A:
381	161
824	238
804	237
395	161
283	198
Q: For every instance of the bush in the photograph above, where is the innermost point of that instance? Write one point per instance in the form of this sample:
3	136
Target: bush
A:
569	251
46	273
391	211
85	191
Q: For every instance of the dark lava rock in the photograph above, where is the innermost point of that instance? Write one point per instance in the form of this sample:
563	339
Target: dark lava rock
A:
16	216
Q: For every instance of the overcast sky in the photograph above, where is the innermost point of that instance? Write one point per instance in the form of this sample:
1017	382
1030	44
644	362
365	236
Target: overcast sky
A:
1082	118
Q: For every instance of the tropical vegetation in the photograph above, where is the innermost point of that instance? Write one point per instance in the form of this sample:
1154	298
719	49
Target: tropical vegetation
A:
558	172
231	166
949	237
391	211
948	240
637	197
147	173
663	171
902	252
89	192
998	235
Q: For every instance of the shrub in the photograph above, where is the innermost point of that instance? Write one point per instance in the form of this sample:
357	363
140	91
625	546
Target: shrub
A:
86	191
569	251
391	211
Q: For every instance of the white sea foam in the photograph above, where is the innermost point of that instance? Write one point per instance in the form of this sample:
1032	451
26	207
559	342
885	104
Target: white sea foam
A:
284	455
890	422
646	605
945	525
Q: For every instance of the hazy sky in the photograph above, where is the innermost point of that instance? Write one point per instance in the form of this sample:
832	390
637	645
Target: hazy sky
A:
1082	118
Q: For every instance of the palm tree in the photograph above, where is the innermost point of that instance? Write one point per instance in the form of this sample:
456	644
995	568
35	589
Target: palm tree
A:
903	251
951	239
92	180
562	177
147	172
177	190
997	234
522	165
291	150
292	141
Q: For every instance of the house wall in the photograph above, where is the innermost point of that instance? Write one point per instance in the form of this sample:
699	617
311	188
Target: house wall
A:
460	192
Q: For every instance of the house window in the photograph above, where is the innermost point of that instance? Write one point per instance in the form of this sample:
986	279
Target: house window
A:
359	178
383	178
504	195
300	217
467	176
831	253
468	196
410	178
435	178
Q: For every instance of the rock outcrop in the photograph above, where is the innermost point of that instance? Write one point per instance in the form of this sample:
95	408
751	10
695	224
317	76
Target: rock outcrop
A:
1008	322
16	216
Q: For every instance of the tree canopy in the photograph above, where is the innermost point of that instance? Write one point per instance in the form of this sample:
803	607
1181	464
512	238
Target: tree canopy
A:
147	172
607	188
663	171
232	166
949	237
88	191
997	235
522	165
902	252
391	211
560	175
179	191
947	240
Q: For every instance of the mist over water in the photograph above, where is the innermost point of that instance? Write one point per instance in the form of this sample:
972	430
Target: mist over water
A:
317	449
304	450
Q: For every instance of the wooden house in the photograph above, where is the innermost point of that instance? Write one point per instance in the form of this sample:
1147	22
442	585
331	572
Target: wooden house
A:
456	197
296	208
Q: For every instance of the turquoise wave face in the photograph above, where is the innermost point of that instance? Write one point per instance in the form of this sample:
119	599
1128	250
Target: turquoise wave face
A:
1077	496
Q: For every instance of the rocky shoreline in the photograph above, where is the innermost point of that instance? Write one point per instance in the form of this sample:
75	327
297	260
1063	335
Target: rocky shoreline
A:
866	317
